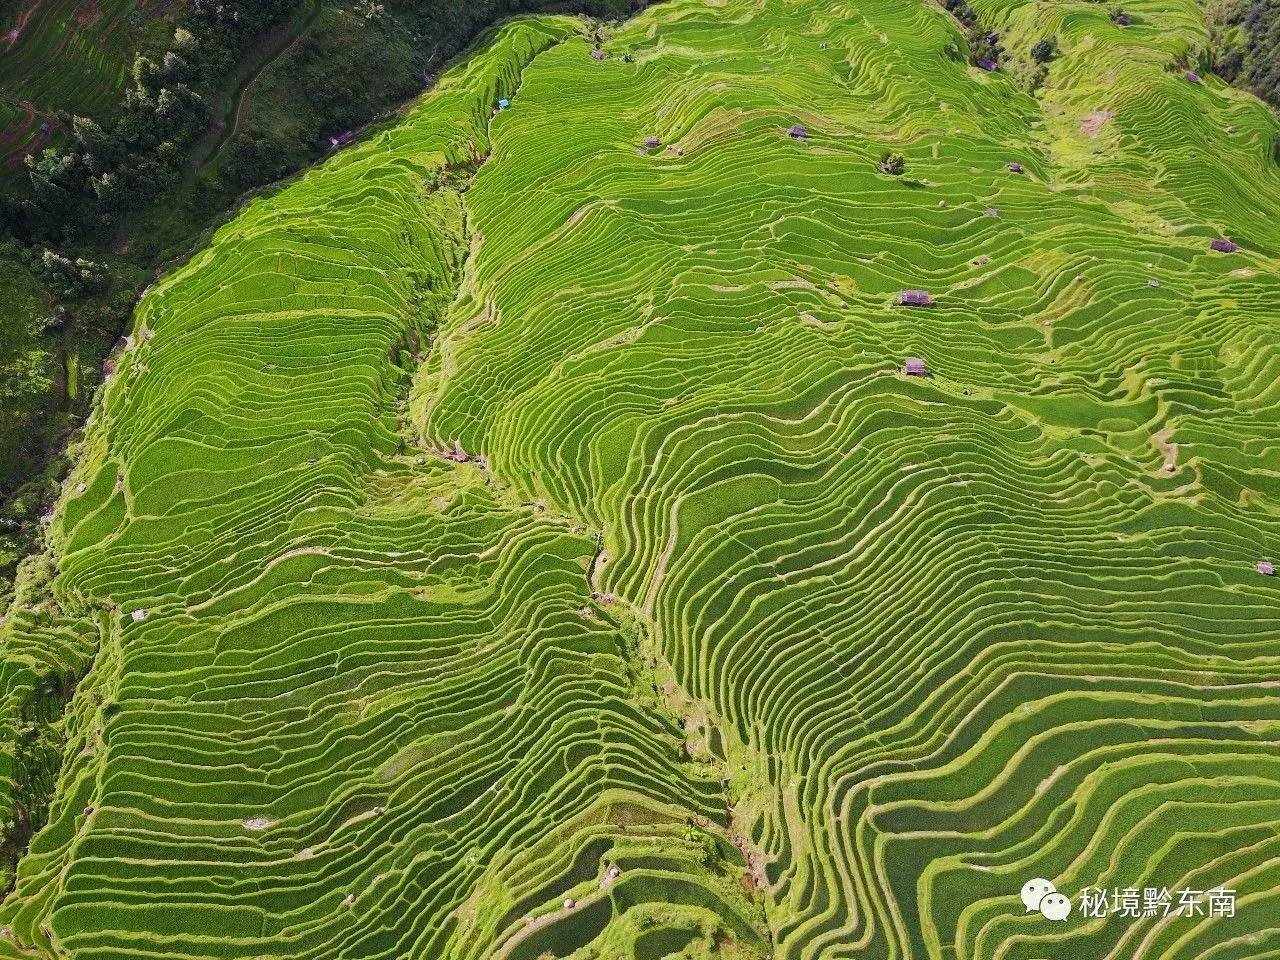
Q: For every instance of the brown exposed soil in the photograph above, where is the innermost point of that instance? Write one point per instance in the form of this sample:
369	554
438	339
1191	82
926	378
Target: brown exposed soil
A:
1093	123
87	13
1163	442
755	878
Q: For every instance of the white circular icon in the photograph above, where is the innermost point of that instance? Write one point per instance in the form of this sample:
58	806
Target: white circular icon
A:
1054	906
1033	891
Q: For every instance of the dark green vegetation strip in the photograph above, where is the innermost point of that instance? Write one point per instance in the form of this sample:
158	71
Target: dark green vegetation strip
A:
664	613
1247	45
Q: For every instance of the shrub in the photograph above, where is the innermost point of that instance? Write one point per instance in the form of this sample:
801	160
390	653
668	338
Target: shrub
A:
894	164
73	279
1247	46
1045	50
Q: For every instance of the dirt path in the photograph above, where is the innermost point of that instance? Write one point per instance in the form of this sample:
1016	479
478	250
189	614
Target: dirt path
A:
269	48
234	105
16	140
1163	442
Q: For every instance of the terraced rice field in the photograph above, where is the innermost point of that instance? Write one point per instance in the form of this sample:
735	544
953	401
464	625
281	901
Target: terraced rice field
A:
510	540
72	55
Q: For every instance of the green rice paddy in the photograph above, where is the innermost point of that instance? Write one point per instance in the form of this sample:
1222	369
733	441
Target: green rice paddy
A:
72	55
512	540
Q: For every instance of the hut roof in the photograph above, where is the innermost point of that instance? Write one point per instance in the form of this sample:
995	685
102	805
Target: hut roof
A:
1266	569
915	298
1015	167
1223	245
1123	20
988	64
652	143
797	132
504	103
915	366
597	54
1192	76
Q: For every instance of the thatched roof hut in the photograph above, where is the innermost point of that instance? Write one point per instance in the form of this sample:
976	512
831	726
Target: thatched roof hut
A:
915	298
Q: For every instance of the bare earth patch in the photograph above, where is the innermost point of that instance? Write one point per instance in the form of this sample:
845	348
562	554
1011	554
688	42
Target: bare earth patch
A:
88	13
755	878
1163	442
1093	123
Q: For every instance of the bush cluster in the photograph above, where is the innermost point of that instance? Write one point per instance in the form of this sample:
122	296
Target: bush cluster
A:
106	169
1247	47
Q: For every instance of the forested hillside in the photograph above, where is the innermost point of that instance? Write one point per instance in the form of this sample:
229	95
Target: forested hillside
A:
131	127
1247	48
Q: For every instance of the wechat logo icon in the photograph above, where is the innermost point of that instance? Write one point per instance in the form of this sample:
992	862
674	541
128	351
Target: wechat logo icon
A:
1041	895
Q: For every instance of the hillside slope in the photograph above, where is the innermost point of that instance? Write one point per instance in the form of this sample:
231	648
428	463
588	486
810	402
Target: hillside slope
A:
180	111
516	538
64	55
